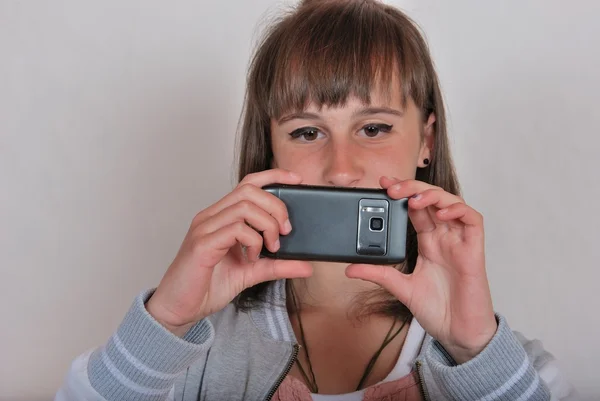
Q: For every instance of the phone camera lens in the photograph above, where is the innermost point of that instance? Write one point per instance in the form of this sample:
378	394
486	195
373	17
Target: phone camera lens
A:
376	224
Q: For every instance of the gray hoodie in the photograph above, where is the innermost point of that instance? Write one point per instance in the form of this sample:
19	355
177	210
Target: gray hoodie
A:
235	355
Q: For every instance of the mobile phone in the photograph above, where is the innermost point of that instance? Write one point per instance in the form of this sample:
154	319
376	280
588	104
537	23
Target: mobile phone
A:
338	224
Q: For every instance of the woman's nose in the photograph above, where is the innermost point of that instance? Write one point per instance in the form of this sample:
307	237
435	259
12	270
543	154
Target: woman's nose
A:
343	167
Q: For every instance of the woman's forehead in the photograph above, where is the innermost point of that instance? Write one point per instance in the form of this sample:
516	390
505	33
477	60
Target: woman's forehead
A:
377	100
388	94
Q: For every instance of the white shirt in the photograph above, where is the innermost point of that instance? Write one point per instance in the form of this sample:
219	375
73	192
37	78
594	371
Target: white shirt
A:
410	350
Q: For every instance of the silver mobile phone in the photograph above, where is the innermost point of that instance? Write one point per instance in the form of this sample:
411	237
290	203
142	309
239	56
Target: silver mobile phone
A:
352	225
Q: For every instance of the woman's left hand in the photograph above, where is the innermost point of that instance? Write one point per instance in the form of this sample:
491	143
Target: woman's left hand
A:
448	292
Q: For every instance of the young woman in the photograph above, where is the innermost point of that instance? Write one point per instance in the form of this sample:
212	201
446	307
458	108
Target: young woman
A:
343	93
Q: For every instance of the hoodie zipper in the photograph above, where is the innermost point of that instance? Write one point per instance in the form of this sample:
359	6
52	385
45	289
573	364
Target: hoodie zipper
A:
421	383
285	372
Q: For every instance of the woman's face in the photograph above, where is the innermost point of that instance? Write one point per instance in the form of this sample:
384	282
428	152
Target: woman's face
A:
355	144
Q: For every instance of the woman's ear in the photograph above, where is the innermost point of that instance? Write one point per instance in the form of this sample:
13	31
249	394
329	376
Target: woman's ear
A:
428	141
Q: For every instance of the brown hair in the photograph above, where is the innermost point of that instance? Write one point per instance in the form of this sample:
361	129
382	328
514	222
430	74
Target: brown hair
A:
323	51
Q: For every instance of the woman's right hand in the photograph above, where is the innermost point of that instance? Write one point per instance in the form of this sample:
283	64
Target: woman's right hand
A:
211	267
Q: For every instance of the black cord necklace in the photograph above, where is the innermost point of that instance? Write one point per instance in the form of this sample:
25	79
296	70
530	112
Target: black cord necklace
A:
312	381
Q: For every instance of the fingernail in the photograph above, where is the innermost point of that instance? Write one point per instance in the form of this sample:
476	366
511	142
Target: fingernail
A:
396	187
287	227
417	196
294	175
276	246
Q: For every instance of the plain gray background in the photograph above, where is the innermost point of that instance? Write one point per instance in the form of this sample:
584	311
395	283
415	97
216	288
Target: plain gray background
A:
117	122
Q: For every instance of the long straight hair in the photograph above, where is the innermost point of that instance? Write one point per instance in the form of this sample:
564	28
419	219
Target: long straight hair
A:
324	51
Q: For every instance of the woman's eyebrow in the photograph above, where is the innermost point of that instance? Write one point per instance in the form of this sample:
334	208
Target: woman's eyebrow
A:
377	110
303	115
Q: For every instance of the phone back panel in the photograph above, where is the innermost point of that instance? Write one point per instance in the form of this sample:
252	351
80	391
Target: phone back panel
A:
326	222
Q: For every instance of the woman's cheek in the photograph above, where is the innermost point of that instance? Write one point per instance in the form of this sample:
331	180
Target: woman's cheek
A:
297	161
393	165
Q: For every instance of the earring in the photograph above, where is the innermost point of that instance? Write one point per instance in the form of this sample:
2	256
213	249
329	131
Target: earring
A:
426	162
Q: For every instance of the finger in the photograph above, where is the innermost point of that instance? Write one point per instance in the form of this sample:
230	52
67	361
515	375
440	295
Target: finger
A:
395	282
421	220
265	200
225	238
387	182
250	213
271	176
267	269
399	189
430	201
239	253
464	214
433	197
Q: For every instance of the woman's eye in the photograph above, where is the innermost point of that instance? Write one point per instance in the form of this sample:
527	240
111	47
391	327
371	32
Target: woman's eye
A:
372	130
308	134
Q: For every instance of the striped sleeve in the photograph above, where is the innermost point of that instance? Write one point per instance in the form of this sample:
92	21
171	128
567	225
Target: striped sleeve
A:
142	359
502	371
549	369
77	386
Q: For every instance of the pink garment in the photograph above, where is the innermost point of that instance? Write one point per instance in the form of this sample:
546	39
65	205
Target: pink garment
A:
404	389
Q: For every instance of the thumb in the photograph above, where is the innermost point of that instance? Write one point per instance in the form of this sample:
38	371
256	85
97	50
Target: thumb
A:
266	269
388	277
